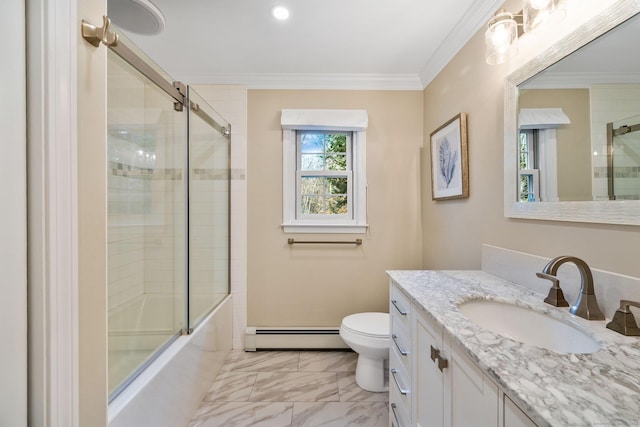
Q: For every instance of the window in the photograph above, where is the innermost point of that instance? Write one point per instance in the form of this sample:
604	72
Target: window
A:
529	178
538	174
537	153
324	175
324	171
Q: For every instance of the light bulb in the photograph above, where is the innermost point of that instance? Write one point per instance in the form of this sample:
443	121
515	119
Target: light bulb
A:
540	4
281	13
500	36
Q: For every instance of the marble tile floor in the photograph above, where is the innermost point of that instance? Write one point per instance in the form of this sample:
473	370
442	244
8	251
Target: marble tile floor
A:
290	389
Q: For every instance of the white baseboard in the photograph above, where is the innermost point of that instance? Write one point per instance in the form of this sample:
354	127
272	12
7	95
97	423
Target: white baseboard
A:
263	338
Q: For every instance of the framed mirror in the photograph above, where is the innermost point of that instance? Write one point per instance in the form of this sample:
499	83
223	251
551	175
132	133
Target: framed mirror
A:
570	171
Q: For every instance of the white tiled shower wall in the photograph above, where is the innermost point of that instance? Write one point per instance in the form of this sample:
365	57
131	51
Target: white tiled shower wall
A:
209	213
145	190
230	101
125	236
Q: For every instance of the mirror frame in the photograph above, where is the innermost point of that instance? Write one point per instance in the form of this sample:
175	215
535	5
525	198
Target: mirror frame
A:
626	212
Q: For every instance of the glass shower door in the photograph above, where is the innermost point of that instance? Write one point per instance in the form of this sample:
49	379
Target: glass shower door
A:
209	175
146	221
624	159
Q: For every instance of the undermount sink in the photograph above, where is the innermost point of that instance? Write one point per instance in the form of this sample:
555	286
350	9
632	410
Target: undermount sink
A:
528	326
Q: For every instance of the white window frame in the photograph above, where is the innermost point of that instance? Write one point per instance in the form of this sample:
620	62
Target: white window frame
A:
354	121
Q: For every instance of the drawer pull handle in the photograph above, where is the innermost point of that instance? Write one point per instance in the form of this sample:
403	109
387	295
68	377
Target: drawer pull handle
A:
395	340
400	389
395	415
442	362
395	304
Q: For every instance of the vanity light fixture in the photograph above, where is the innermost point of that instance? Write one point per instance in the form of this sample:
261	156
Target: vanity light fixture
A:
500	37
281	13
502	32
536	13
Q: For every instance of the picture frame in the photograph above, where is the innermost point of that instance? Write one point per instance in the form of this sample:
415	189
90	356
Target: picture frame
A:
450	160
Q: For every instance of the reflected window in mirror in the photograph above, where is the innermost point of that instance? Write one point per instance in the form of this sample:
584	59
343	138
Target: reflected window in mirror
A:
540	156
528	174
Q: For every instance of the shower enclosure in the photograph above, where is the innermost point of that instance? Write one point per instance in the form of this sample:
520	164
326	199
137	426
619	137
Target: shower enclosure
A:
168	176
623	159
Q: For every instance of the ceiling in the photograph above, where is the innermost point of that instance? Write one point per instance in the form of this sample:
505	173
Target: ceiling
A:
348	44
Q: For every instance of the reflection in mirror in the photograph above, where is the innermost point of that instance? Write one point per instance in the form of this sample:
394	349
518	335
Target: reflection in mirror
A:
623	159
585	196
594	155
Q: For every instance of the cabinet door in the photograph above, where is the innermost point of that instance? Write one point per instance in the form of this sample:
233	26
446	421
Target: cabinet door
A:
514	417
473	396
428	381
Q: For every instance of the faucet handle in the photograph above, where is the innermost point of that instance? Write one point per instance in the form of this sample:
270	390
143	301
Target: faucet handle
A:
556	297
623	321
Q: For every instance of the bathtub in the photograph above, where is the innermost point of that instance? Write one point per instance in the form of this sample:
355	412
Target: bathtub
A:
141	325
149	320
169	390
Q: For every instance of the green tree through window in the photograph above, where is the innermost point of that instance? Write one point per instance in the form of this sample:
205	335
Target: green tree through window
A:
324	163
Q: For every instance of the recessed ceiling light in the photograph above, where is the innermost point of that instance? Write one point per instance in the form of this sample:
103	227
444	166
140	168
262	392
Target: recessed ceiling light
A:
281	13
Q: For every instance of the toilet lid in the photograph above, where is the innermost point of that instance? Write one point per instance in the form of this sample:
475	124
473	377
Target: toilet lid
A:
371	324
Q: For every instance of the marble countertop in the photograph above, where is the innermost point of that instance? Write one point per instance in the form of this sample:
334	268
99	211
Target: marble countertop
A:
554	389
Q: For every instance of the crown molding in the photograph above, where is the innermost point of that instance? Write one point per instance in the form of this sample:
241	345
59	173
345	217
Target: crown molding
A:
581	80
476	18
307	81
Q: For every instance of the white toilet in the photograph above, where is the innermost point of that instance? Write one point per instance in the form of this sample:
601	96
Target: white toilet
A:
368	335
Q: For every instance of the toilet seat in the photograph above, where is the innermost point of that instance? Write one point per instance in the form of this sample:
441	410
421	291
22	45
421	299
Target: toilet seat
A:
372	325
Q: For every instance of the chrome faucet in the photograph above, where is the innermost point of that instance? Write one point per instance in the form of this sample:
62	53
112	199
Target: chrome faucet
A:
586	305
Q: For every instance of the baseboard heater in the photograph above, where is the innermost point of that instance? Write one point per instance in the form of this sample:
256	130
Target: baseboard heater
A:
262	338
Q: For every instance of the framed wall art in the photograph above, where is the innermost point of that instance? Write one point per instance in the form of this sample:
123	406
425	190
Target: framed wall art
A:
450	160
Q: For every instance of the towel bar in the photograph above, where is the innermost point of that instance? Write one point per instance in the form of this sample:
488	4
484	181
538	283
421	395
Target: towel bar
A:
356	242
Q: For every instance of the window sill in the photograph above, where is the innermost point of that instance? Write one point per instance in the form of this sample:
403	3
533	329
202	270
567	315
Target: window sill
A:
325	228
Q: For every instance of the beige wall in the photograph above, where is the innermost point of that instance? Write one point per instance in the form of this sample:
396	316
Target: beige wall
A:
319	285
453	231
574	140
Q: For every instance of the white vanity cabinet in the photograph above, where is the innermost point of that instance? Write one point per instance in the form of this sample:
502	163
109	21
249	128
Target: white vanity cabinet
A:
436	383
514	417
450	390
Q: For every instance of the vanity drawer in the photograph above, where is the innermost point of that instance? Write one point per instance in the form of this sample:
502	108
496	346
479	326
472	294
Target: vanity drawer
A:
399	381
401	344
399	307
